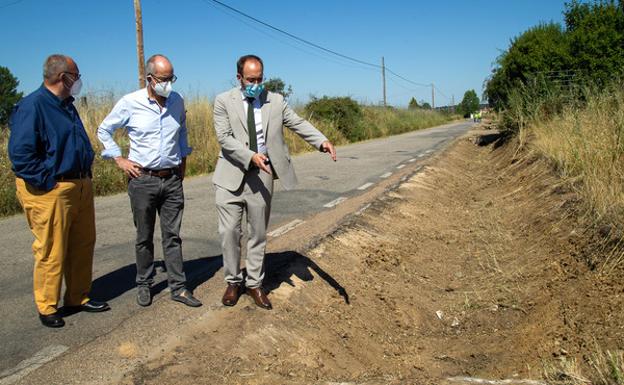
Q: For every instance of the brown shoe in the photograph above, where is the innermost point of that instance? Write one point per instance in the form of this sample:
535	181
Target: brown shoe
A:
232	294
259	298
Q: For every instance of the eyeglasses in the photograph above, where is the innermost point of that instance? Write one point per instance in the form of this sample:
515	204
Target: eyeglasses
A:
171	79
75	75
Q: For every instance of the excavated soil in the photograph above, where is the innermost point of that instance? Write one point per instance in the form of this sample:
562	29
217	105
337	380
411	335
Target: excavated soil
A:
477	266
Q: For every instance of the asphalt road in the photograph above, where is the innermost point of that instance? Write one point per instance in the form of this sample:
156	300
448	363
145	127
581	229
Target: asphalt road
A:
321	183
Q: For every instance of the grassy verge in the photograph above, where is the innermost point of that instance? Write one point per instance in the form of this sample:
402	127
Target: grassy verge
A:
581	131
108	179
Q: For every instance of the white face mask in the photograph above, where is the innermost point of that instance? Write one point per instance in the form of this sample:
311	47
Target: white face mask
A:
163	89
76	87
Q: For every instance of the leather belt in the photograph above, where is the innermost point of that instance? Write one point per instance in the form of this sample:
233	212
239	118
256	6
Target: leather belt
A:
73	175
162	173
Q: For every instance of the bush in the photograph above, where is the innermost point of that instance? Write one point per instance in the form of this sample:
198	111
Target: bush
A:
344	112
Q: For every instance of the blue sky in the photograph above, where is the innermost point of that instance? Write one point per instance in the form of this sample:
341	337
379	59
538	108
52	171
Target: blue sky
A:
451	43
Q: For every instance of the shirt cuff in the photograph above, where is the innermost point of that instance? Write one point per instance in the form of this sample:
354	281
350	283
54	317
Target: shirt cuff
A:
111	153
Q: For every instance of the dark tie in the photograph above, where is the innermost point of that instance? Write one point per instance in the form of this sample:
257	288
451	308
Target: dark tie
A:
251	126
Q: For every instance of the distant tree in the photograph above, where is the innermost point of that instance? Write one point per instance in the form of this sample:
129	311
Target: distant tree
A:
469	104
424	105
8	94
413	104
278	85
343	112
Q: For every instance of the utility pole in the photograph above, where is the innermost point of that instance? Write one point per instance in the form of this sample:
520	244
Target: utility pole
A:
432	96
383	78
453	102
139	36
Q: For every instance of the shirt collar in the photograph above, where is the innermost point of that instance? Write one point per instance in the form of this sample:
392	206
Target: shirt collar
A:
55	99
146	94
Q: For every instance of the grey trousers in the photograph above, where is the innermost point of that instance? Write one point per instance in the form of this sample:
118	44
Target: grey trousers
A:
254	199
150	195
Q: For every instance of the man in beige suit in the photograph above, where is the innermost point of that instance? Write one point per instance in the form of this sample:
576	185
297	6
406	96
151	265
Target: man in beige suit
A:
249	123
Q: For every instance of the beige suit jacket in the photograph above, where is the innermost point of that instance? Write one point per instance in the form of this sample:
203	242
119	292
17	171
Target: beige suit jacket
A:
230	122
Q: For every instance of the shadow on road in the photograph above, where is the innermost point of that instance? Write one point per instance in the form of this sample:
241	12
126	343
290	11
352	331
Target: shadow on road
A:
280	267
116	283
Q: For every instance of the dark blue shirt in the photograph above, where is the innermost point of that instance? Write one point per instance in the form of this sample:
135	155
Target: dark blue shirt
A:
47	139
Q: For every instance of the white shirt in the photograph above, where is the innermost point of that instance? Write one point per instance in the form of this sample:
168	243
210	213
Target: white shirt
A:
258	120
158	138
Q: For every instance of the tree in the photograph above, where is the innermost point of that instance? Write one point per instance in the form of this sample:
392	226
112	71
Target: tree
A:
588	51
278	85
595	33
469	104
8	94
540	51
424	105
413	104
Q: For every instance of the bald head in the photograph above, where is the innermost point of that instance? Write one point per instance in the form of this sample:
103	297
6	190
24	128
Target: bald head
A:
159	66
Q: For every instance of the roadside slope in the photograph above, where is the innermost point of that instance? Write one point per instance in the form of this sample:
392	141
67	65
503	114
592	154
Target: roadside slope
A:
471	267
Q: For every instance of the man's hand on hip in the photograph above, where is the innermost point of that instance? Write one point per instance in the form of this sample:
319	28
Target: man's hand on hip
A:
326	146
262	162
130	168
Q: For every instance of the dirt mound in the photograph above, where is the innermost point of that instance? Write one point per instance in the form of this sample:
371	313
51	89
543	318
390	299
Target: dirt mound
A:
474	267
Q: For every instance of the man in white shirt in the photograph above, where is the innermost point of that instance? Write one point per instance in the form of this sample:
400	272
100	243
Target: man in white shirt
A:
156	122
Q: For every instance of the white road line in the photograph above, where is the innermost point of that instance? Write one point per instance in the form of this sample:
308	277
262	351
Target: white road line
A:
335	202
400	166
472	380
412	160
22	369
385	175
365	186
421	155
286	228
428	151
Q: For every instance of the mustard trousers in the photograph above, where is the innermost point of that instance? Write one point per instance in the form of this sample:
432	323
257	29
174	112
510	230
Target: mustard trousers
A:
63	223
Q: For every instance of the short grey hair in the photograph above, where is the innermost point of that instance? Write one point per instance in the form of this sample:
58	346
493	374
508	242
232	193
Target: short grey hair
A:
149	64
54	65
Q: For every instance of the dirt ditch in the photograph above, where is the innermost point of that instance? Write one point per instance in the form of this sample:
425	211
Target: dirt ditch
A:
471	268
474	267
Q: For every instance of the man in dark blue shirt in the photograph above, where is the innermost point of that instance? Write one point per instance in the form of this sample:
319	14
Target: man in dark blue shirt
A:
52	156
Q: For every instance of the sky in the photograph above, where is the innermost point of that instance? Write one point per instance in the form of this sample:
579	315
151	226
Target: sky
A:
452	44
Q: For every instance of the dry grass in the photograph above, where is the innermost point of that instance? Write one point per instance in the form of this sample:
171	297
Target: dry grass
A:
602	368
587	146
108	179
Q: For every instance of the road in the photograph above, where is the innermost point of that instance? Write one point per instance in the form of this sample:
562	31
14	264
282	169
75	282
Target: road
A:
322	184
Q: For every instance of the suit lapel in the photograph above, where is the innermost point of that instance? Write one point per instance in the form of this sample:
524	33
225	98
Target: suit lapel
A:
237	100
266	113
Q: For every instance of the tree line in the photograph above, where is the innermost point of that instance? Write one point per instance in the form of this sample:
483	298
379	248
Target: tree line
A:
588	49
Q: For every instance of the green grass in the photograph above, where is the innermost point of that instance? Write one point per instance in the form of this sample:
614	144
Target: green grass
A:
108	179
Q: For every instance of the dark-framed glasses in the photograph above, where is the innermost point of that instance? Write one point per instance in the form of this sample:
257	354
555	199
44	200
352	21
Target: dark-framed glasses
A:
171	78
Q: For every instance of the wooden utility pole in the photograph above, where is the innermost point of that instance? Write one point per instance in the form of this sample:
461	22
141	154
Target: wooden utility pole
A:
383	78
432	96
139	36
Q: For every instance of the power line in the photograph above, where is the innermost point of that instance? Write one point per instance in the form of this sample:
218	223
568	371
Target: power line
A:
273	35
314	45
10	4
293	36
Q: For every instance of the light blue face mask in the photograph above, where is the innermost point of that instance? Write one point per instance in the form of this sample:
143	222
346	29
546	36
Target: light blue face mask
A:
253	90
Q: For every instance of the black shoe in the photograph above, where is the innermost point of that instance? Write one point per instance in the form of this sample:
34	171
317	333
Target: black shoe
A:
90	306
52	320
186	297
144	296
